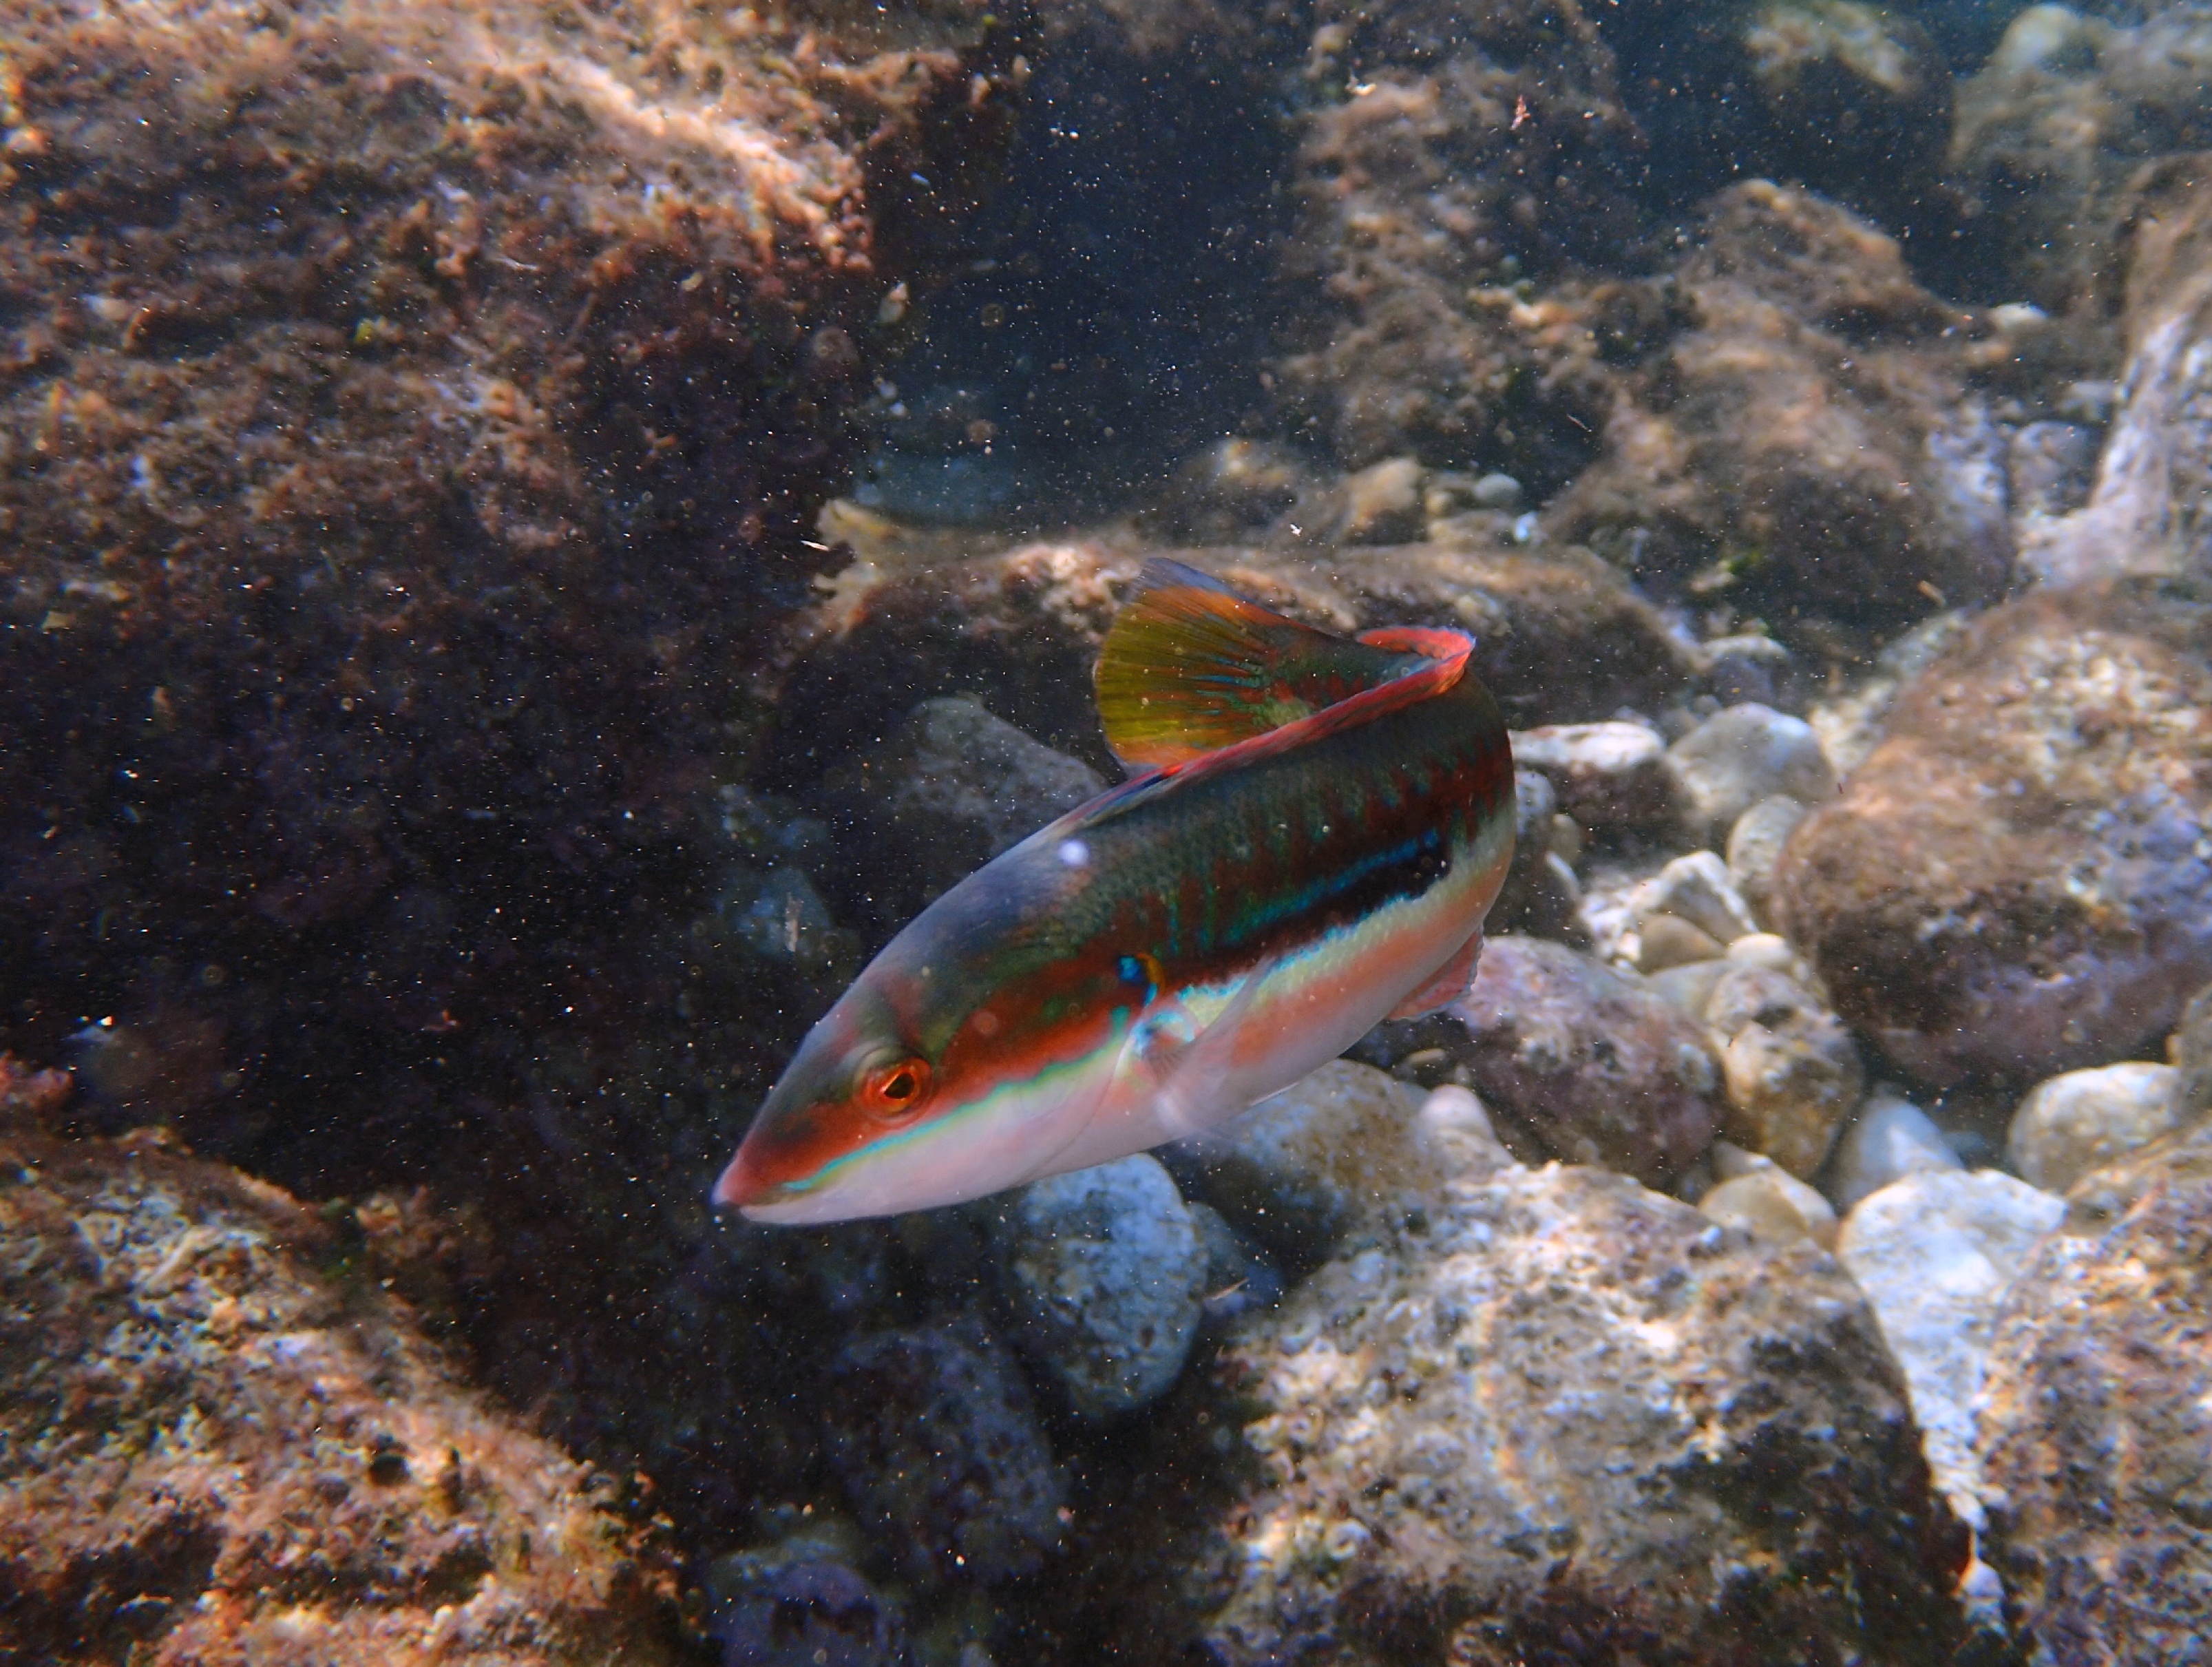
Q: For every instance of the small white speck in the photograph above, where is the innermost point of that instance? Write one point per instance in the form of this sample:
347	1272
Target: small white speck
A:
1075	853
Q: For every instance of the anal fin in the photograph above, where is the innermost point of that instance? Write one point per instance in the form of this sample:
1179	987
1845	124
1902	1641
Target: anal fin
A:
1450	983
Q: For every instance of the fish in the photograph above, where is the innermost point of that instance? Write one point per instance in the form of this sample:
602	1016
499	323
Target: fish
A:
1315	830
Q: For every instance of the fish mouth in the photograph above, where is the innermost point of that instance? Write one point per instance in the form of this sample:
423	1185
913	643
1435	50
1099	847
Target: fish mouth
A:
743	1187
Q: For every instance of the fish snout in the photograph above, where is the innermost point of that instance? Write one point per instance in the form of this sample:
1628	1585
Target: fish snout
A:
744	1186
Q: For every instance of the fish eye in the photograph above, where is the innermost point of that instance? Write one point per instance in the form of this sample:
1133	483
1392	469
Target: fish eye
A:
896	1091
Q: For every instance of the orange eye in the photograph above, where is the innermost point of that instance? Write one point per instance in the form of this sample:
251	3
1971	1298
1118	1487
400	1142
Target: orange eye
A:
898	1091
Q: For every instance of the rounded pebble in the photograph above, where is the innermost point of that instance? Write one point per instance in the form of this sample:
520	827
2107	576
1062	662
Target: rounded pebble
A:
2070	1124
1102	1273
1744	754
1890	1138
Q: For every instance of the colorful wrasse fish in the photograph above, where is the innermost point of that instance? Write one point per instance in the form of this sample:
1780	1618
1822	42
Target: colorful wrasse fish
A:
1321	826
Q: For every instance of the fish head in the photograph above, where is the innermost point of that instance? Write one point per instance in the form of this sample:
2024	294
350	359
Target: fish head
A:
935	1079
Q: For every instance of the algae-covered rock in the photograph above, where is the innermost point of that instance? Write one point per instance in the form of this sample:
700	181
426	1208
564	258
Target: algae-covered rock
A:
1814	448
2017	881
1562	1415
217	1445
414	421
2097	1437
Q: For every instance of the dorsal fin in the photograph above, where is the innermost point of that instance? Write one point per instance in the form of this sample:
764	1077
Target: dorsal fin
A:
1189	666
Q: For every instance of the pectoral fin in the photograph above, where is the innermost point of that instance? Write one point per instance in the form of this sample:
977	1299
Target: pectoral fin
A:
1189	1067
1450	983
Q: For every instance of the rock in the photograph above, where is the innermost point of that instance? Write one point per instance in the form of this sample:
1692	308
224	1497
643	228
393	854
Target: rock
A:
2072	1124
1754	846
1665	942
931	1433
1608	775
1303	1167
2143	514
2191	1046
2097	1437
2050	466
1773	952
1541	893
802	1612
1587	1063
1381	503
1791	1070
1754	670
2051	143
1935	1253
1697	889
214	1453
524	408
1768	1202
1553	1418
1809	444
1561	638
1101	1272
2018	881
1890	1138
1498	491
1414	220
1743	755
1689	987
948	788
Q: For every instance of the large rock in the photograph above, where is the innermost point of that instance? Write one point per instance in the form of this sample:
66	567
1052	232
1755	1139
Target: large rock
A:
1560	638
2019	881
1422	200
2146	512
1810	447
2053	139
211	1453
950	788
1935	1253
413	429
1590	1064
2097	1437
1564	1419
